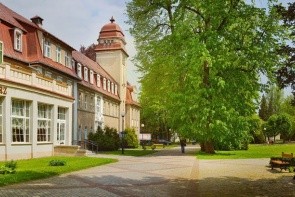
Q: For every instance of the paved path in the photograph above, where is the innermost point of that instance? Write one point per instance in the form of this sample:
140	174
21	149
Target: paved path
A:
166	173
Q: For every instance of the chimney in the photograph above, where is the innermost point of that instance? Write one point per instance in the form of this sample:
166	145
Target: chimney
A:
37	20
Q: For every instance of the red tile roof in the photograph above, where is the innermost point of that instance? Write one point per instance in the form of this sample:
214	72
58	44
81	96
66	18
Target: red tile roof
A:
31	53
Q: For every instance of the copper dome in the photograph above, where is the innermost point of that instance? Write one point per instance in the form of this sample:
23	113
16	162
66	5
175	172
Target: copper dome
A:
111	30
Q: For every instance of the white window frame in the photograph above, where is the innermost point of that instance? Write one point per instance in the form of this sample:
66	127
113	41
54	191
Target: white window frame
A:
18	39
112	88
44	130
67	60
116	89
79	70
104	83
98	80
47	48
109	85
73	63
91	76
1	52
20	113
85	100
85	73
58	54
61	120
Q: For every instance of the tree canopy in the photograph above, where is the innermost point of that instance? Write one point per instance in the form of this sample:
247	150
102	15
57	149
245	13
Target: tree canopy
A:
201	62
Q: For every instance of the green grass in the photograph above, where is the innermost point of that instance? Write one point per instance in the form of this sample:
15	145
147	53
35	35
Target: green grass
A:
39	168
255	151
131	152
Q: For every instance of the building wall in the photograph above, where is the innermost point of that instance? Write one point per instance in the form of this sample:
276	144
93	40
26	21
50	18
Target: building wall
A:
21	85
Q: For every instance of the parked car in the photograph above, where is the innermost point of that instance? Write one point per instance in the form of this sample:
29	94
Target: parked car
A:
165	142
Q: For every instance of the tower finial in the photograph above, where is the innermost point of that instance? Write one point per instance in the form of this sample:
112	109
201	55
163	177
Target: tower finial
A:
112	19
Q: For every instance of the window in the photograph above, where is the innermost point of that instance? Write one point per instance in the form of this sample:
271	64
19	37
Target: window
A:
85	73
91	76
73	64
61	125
116	89
20	120
85	101
1	121
79	71
91	103
109	86
67	60
1	52
61	113
18	39
47	49
58	54
80	99
98	105
112	88
104	83
98	80
44	123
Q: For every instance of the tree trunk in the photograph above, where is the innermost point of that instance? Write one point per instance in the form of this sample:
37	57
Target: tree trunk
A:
209	147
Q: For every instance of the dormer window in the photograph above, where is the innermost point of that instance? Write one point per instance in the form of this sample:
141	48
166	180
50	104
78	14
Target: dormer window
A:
98	80
116	89
18	39
104	83
91	76
1	52
58	54
85	73
67	60
109	86
112	88
79	70
47	48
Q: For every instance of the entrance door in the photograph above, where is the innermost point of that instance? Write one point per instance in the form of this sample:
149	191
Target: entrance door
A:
60	133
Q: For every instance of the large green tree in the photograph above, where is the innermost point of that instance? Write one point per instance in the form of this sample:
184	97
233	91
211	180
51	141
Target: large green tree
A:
201	62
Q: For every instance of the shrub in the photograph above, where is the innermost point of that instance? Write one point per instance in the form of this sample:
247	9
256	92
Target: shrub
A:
107	139
8	168
57	163
130	138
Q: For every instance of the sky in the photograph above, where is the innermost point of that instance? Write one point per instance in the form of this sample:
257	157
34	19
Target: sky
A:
78	22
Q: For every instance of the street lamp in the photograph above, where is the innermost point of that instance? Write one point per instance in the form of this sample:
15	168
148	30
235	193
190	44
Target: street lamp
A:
123	133
142	125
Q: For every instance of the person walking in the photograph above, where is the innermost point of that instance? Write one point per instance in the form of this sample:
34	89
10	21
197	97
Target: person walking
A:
182	144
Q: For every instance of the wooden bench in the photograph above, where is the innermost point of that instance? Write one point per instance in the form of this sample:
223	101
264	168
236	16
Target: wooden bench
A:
154	146
282	163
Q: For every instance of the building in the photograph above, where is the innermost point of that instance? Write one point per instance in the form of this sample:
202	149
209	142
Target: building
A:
52	95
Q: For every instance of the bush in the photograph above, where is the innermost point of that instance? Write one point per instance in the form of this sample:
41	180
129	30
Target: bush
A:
57	163
107	139
130	138
8	168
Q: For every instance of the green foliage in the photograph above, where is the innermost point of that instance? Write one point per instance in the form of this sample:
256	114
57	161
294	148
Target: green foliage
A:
209	87
9	167
38	168
255	125
130	138
57	163
263	109
278	124
107	139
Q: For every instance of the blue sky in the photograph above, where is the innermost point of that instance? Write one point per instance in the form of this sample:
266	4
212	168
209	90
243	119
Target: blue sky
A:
78	22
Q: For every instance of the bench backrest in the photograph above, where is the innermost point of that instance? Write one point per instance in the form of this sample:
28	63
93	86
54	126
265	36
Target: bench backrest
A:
285	155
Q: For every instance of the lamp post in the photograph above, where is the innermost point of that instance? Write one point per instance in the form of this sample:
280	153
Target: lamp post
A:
123	133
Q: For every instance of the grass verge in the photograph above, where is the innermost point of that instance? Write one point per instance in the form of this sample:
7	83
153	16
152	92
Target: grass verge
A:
254	151
32	169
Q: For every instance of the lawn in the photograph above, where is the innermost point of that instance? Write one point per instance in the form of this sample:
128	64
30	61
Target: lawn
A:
39	168
255	151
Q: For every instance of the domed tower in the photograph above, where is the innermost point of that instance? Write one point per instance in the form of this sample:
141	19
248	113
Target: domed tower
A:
111	55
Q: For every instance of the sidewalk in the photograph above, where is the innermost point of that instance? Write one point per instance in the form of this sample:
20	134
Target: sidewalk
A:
166	173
